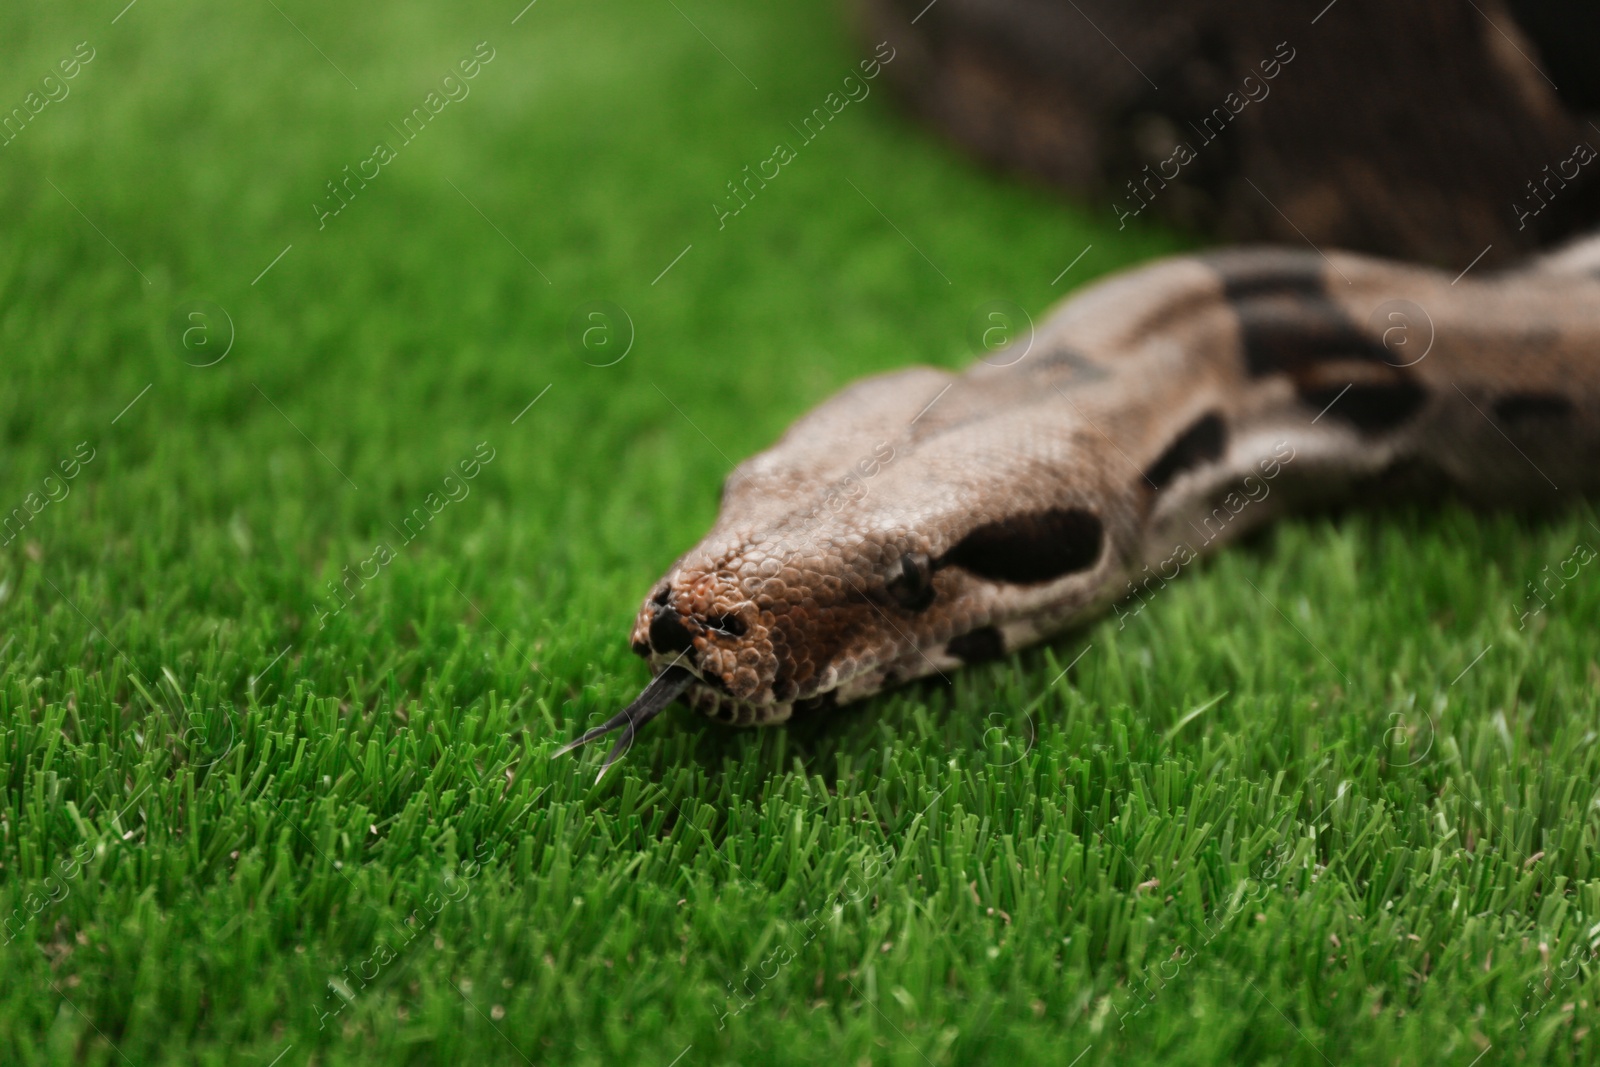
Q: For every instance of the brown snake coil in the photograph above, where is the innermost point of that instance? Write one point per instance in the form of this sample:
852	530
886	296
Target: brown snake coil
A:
922	519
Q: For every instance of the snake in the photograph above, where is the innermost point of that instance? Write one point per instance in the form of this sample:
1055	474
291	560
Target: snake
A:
923	519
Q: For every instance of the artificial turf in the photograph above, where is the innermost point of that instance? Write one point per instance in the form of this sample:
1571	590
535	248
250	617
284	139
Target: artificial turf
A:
1329	798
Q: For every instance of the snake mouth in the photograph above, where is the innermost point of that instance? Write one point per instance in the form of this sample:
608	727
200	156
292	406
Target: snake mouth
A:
715	702
685	662
709	693
727	657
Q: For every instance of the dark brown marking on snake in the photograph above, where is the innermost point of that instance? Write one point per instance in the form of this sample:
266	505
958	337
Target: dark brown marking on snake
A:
1282	334
984	643
1203	442
1521	409
1034	547
1287	321
1248	273
1370	408
1288	324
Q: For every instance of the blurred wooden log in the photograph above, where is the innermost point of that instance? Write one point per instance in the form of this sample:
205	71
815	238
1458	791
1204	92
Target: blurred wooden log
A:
1420	130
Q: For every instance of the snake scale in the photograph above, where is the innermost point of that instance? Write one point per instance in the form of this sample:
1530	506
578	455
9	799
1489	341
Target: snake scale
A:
921	519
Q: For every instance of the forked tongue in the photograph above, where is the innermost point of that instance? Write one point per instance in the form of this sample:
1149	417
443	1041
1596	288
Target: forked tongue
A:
662	690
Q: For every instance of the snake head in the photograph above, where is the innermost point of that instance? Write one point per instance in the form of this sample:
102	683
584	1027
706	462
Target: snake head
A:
887	536
767	622
771	623
855	554
904	528
745	630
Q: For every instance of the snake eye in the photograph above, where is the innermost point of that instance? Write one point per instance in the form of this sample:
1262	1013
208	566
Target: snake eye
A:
910	581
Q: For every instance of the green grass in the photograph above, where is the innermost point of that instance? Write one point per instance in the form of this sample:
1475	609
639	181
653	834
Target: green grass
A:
1286	815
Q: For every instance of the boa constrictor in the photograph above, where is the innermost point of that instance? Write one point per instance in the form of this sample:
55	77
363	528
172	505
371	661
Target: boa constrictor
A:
921	519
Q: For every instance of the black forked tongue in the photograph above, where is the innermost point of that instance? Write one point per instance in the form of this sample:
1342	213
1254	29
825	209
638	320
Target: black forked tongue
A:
662	690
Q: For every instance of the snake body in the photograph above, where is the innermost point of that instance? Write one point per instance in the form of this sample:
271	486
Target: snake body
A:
922	519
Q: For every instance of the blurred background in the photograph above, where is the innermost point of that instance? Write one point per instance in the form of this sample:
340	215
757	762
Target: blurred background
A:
363	368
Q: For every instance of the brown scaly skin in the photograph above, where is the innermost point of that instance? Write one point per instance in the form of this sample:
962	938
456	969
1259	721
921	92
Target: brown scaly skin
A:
922	519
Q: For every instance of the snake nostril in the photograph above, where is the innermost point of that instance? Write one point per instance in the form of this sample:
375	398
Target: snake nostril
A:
667	632
731	625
